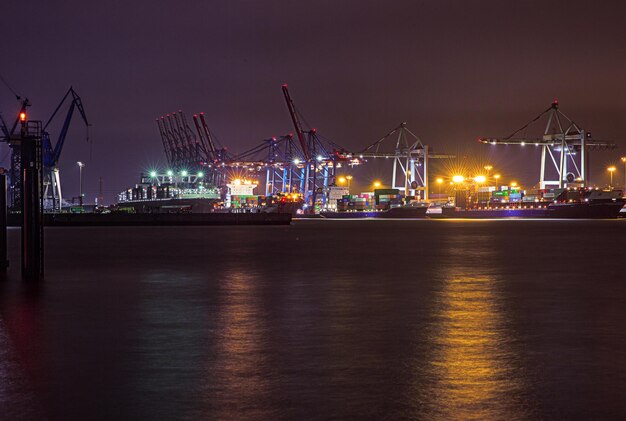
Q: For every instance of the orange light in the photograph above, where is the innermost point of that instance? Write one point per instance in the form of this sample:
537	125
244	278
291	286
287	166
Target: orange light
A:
22	116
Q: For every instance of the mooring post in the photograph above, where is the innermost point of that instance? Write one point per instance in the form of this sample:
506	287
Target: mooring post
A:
4	262
32	223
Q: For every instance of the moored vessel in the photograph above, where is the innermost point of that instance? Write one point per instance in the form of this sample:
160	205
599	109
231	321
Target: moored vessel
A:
581	203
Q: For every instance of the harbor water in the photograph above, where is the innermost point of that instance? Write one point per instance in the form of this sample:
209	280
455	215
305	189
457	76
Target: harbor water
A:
352	319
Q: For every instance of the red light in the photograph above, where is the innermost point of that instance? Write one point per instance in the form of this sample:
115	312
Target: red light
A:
284	85
22	116
314	130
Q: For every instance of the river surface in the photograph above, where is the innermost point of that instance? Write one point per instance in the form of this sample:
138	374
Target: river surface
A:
371	319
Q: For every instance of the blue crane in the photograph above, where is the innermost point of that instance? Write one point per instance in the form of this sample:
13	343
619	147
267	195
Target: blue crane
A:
52	153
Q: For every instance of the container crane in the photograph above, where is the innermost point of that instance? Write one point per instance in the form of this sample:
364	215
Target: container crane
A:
564	142
51	153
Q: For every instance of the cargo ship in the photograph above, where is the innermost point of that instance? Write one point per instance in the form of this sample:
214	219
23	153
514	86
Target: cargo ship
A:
187	199
581	203
410	211
382	203
189	194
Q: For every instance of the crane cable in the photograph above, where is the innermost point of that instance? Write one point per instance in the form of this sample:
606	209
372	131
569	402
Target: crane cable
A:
9	87
526	125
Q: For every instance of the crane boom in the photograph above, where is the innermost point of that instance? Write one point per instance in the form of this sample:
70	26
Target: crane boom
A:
296	122
52	154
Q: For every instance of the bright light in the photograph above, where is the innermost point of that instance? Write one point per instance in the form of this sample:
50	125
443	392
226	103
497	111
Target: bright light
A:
22	116
513	184
153	174
458	179
439	180
80	164
480	179
320	157
623	159
170	173
296	161
348	177
237	182
377	184
488	167
184	173
611	169
497	176
342	180
200	174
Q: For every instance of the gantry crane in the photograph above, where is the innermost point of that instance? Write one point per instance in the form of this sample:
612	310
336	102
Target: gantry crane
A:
563	141
410	160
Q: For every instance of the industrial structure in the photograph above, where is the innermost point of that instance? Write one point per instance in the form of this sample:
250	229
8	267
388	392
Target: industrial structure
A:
51	153
410	160
52	194
305	163
191	152
13	138
564	148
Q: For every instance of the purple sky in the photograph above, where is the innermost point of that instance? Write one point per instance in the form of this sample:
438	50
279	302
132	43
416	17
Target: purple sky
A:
454	70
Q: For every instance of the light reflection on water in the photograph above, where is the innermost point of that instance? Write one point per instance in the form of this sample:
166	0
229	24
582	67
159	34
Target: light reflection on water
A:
472	372
351	320
239	370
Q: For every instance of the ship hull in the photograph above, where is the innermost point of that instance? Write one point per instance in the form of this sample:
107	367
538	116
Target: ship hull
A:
408	212
192	205
157	219
605	210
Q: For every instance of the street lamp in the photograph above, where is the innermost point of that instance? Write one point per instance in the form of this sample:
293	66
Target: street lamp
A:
497	177
439	182
80	182
377	184
488	168
458	178
342	180
611	170
349	178
513	184
624	161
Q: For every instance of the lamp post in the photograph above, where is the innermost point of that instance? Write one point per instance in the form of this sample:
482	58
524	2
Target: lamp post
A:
496	177
349	178
624	161
80	182
488	168
611	170
439	182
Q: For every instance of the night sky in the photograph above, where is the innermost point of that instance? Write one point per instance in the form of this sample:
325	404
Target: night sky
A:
454	70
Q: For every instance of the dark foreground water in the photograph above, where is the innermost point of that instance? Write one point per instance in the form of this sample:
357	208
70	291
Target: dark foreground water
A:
318	320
